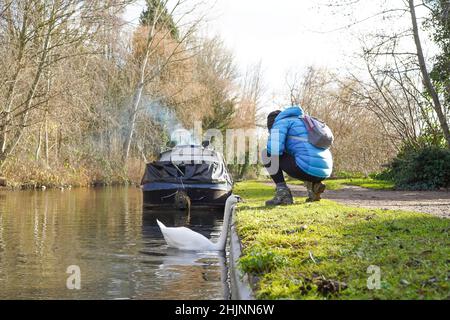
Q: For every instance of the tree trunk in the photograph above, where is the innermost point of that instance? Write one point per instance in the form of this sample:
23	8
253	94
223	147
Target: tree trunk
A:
58	142
132	122
39	144
12	87
14	141
138	93
426	76
46	137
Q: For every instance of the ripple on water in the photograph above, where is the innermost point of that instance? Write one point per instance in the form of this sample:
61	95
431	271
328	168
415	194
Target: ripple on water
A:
116	244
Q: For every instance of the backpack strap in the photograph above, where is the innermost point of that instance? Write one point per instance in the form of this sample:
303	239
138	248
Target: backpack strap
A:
309	127
308	122
298	138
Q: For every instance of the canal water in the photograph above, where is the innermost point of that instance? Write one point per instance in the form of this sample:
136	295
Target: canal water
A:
111	238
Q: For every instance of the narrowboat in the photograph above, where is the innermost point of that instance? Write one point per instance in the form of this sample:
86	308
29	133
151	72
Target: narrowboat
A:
185	176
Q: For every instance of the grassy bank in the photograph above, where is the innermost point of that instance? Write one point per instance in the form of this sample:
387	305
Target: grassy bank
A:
323	250
369	183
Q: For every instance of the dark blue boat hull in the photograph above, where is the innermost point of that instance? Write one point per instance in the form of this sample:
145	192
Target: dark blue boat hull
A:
201	195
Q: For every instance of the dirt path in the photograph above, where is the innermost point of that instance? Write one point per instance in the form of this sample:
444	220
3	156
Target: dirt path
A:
436	203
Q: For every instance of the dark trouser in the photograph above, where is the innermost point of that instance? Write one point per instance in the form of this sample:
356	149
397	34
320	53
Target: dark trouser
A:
288	165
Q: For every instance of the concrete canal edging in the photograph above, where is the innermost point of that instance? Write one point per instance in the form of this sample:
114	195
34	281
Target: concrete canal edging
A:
239	282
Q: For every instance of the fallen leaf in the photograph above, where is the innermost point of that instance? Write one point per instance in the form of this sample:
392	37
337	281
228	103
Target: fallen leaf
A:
404	282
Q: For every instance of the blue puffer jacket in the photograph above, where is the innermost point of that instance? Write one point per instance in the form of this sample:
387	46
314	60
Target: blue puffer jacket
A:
314	161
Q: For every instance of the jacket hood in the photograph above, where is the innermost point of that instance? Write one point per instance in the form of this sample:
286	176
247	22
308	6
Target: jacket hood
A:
291	112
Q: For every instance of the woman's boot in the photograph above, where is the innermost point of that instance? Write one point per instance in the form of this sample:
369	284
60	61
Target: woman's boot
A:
315	191
282	197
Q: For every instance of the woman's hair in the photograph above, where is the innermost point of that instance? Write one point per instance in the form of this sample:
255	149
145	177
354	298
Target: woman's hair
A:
271	119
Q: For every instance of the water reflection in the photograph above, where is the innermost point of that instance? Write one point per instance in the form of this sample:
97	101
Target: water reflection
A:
116	243
182	270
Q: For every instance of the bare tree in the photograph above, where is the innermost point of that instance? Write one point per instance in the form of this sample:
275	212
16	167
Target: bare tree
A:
68	71
395	60
393	93
157	33
217	73
360	140
252	92
437	105
37	35
248	110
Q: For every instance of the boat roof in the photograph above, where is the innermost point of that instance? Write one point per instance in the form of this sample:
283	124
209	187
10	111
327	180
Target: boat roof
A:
190	153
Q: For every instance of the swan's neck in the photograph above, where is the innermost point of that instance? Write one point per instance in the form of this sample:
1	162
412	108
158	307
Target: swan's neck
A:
220	245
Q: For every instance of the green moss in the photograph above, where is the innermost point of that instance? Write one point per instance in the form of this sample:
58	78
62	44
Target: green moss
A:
369	183
323	250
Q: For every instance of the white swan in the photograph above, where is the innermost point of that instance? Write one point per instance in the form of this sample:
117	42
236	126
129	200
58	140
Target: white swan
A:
188	240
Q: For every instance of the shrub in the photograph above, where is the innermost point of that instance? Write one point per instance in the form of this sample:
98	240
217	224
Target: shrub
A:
385	175
425	168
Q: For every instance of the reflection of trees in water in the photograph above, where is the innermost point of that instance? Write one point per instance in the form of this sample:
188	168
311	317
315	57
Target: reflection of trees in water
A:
119	249
45	232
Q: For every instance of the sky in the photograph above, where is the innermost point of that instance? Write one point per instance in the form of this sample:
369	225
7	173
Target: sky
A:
286	36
